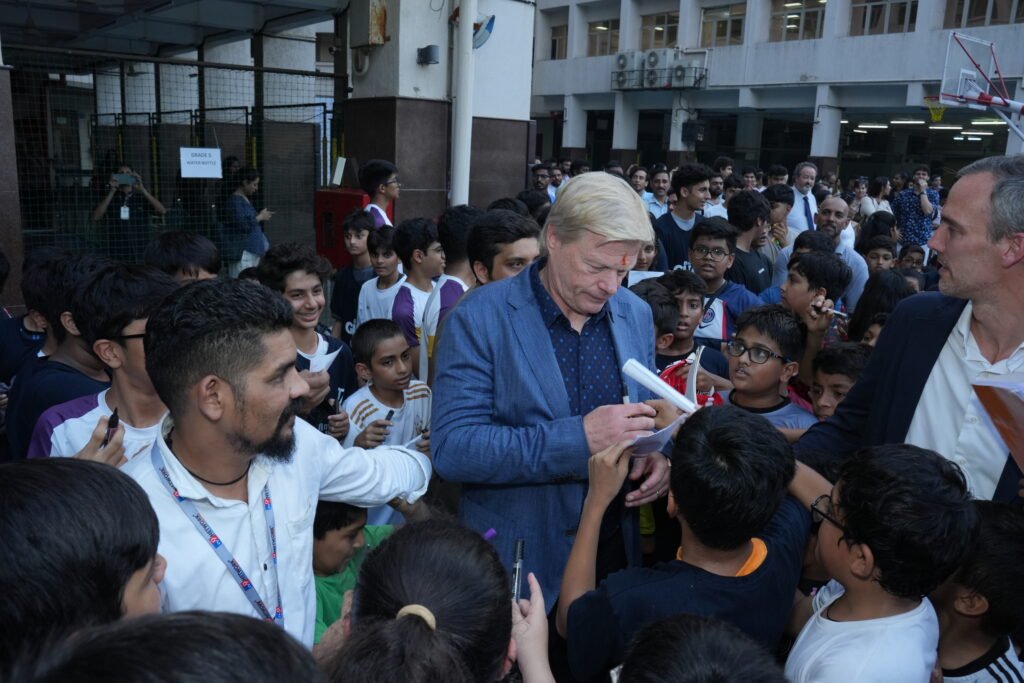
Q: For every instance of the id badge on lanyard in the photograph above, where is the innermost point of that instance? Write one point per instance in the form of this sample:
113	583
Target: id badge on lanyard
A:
125	213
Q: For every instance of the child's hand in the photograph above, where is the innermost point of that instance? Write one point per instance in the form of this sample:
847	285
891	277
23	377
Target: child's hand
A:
667	412
374	434
336	634
423	445
780	233
319	386
530	633
112	453
337	425
818	316
608	471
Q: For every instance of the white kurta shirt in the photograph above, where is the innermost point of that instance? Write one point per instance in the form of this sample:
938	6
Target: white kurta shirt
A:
196	578
950	419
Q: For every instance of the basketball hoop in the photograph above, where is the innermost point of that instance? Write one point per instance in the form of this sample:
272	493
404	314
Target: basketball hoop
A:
935	107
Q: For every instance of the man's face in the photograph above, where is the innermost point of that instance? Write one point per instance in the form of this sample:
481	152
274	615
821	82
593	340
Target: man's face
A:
832	218
898	181
305	293
384	262
433	260
695	196
639	180
660	185
879	259
566	167
973	266
726	171
757	378
936	182
670	201
541	179
920	175
510	261
332	553
778	179
805	179
827	392
750	181
262	419
556	176
691	312
715	186
796	292
711	266
355	241
585	273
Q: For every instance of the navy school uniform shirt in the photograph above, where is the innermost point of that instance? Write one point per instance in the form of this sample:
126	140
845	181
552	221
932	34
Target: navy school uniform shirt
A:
345	298
674	241
343	376
602	623
39	385
18	345
729	302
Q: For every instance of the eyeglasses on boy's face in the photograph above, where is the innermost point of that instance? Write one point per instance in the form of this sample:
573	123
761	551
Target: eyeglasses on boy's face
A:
821	509
758	354
715	254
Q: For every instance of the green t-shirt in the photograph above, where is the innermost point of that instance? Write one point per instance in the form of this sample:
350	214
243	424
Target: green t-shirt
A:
330	590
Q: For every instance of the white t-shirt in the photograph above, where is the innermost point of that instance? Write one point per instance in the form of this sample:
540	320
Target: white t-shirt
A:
321	349
408	422
999	665
65	429
375	302
898	649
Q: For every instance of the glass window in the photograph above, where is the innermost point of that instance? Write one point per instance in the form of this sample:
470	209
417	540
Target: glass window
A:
603	38
559	40
796	19
659	30
872	17
722	25
970	13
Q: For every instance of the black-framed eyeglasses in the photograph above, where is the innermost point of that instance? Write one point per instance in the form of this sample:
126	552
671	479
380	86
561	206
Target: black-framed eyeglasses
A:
821	509
140	335
394	181
758	354
716	254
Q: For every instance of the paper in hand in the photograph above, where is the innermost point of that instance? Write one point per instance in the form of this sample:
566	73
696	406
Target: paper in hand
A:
321	363
653	443
1003	399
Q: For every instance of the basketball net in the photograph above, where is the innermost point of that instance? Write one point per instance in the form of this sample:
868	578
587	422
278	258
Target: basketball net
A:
935	108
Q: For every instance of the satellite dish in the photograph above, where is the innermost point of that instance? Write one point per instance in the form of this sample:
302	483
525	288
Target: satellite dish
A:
482	29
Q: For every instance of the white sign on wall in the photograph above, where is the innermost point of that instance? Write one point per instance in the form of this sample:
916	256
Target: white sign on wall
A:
200	162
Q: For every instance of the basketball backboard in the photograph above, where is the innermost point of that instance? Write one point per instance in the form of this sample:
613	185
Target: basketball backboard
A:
971	78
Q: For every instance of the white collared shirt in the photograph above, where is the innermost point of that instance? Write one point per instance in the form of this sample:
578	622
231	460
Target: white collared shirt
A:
656	208
320	468
796	219
950	419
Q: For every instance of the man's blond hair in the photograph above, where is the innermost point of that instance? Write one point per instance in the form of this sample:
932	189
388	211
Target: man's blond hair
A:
602	204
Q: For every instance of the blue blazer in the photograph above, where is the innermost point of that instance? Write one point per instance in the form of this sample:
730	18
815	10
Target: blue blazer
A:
501	424
881	405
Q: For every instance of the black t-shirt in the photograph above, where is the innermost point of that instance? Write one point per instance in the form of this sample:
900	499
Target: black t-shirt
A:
674	242
342	374
752	270
39	385
345	298
601	623
18	344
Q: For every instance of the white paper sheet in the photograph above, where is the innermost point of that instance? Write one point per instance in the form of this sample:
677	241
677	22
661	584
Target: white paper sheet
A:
321	363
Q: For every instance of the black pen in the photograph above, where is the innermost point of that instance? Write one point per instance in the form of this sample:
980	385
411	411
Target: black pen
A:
111	428
517	571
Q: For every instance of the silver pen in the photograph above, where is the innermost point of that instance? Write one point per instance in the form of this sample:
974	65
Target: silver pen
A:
517	571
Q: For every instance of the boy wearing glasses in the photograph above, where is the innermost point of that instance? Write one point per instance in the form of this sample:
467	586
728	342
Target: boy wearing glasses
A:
897	523
379	179
112	306
741	545
762	359
712	247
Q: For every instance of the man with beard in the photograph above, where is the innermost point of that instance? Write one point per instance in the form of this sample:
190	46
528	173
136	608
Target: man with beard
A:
917	387
235	478
715	206
831	218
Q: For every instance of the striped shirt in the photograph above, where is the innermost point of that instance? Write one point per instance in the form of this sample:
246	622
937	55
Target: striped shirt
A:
999	665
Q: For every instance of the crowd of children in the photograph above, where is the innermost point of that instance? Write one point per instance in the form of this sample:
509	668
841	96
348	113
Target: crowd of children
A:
758	565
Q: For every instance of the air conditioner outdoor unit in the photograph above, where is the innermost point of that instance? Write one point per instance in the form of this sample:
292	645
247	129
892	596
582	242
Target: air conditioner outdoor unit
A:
687	73
628	71
657	68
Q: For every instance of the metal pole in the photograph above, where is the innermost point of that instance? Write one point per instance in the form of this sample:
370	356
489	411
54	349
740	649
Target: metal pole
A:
462	114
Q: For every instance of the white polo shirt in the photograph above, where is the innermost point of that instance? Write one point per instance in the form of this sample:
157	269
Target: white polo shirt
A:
320	468
950	419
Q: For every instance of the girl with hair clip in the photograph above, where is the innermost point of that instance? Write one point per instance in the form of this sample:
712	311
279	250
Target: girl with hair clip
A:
432	603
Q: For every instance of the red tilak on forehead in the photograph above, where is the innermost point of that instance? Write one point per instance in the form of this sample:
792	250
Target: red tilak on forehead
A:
624	260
